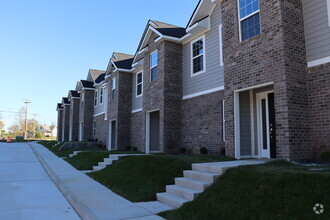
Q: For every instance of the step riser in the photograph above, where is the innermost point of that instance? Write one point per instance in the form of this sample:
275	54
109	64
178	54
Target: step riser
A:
204	168
180	193
169	201
107	160
200	176
190	185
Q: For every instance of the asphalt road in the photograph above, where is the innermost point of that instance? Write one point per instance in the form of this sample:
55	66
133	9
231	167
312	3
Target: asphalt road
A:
26	191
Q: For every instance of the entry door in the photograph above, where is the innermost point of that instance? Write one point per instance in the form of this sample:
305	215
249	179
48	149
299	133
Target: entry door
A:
112	135
154	131
266	125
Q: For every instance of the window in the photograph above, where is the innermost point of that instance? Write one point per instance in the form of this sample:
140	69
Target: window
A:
101	95
220	45
113	88
223	121
82	99
154	66
249	18
139	84
94	128
198	56
95	99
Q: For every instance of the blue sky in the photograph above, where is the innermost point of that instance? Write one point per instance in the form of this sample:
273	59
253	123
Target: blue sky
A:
47	46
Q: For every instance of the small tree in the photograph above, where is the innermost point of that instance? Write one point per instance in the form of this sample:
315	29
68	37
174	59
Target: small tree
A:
38	133
2	124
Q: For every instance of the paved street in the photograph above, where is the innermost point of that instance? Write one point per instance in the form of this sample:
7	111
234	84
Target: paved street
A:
26	191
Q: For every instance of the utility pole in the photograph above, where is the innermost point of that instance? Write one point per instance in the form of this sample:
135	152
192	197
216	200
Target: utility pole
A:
27	102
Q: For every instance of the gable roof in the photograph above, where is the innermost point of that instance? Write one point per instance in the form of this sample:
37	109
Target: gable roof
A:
120	61
161	29
59	106
65	101
203	9
87	84
74	94
100	78
94	74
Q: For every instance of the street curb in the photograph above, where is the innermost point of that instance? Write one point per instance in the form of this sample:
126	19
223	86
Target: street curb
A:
82	210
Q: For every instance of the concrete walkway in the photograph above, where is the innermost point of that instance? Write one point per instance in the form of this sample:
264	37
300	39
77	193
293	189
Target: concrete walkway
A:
89	198
26	191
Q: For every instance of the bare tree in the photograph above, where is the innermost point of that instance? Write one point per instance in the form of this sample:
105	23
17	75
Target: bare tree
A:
18	127
2	124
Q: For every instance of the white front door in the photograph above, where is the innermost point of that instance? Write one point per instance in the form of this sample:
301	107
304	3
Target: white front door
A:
263	125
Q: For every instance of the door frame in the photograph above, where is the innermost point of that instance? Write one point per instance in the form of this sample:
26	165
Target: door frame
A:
261	152
81	131
148	130
110	135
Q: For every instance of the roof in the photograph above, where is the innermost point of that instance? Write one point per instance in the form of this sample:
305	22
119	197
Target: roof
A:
121	56
168	29
94	74
59	106
100	78
65	101
74	94
87	84
124	64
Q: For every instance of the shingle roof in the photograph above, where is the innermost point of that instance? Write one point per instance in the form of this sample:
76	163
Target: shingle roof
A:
124	64
66	101
100	78
59	106
168	29
96	73
74	94
121	56
87	84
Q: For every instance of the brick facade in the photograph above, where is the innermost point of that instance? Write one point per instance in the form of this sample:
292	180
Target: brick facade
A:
202	123
66	122
59	124
137	133
86	112
164	94
74	118
319	108
101	129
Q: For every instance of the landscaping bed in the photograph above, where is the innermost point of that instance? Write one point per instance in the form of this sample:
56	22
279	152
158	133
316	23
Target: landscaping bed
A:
276	190
140	178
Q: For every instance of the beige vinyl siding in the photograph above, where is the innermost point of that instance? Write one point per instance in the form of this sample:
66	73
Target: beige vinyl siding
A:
214	75
317	30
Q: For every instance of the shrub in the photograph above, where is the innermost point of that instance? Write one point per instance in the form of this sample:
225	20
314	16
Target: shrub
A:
134	149
203	150
223	152
325	156
182	150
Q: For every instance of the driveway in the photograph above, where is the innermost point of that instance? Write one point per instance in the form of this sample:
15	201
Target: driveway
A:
26	191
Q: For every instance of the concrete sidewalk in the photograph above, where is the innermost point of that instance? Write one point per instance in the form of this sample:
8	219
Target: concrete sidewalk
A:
26	191
90	199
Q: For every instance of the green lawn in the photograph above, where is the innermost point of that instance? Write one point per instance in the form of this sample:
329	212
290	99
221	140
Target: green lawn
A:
277	190
86	160
66	152
140	178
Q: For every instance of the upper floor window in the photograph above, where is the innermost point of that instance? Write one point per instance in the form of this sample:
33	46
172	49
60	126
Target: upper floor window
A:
94	127
113	87
154	66
95	98
198	56
139	84
249	18
101	95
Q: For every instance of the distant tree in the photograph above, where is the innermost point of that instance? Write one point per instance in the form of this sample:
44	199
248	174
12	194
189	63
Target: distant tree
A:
38	133
18	127
2	124
52	127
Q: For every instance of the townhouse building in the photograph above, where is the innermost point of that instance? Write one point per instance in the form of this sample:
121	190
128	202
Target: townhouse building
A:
59	126
250	76
65	119
74	99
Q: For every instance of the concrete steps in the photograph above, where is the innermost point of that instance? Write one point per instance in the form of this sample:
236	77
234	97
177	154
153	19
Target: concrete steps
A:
109	160
75	153
195	181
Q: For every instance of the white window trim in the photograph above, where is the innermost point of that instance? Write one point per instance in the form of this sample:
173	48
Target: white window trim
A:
328	6
192	57
246	17
95	98
221	45
94	128
152	67
113	87
136	83
101	96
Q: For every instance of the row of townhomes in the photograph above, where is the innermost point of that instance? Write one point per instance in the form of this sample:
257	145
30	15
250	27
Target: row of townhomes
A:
250	76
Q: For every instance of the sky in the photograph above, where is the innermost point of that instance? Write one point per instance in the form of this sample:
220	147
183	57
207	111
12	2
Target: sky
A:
47	46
